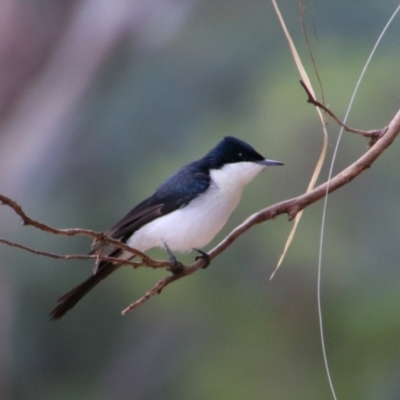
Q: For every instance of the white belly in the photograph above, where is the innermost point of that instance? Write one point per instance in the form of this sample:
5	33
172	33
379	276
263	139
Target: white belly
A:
195	225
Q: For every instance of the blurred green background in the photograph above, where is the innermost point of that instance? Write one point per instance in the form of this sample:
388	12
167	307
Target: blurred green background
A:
99	102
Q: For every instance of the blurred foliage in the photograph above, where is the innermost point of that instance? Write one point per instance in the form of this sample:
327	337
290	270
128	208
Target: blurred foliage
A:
169	89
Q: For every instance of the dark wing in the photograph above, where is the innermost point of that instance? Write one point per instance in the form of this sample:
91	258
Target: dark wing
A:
135	219
176	192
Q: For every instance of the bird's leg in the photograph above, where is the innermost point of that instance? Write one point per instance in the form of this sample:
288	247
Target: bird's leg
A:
204	256
176	266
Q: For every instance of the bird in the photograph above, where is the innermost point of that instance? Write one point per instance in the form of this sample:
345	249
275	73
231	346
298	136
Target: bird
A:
185	212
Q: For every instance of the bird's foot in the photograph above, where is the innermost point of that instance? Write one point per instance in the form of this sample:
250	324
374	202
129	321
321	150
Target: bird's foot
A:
204	256
176	266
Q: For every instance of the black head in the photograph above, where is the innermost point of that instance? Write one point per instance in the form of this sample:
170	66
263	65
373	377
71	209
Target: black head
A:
232	150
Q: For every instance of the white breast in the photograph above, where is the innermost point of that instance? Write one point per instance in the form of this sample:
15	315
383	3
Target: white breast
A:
195	225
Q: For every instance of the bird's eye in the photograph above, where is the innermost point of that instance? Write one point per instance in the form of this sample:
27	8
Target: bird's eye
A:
240	155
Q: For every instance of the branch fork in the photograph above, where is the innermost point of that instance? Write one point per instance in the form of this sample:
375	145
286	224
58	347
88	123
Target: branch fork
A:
380	139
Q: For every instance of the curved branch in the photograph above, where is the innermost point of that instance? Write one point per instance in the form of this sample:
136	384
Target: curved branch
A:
374	135
290	207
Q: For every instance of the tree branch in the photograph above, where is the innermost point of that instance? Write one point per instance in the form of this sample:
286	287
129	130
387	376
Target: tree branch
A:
70	256
290	207
383	138
374	135
98	237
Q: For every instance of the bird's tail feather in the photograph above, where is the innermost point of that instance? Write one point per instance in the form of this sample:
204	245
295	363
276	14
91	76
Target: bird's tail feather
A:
66	302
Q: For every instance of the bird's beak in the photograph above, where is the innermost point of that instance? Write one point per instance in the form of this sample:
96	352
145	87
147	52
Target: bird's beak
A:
269	162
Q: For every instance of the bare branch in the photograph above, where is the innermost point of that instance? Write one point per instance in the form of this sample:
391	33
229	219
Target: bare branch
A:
383	138
98	237
290	207
374	135
69	256
152	292
160	285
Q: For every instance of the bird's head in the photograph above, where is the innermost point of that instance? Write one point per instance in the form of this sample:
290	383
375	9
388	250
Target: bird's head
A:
237	160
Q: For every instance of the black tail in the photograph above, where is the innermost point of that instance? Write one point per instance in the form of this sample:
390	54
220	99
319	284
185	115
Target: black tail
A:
66	302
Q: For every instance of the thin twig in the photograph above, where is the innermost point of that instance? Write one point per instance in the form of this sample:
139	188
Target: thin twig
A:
96	236
303	27
152	292
160	285
74	256
374	135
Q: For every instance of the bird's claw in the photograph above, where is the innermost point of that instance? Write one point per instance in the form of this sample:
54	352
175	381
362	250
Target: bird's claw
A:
203	255
176	266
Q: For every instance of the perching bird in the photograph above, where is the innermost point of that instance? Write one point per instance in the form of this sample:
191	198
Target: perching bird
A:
184	213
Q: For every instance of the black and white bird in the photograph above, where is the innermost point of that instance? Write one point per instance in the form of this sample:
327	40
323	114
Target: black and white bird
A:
184	213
